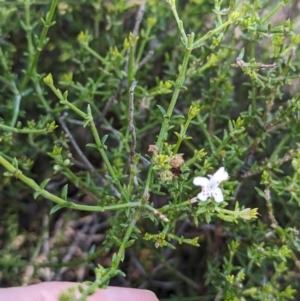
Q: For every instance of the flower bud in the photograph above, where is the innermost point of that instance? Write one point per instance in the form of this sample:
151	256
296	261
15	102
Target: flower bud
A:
166	176
248	213
48	80
296	165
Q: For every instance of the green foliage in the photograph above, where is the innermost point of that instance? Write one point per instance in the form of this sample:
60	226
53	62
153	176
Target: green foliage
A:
111	109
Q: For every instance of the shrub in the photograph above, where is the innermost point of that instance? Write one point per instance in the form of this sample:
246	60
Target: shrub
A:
112	111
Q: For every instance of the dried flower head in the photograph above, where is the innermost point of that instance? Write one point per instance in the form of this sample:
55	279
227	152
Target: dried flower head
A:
153	149
176	161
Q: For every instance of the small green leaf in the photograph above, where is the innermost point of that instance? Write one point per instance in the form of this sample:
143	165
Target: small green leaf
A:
55	208
65	95
44	183
104	139
260	192
162	110
92	249
15	163
92	145
64	193
207	217
116	240
36	194
170	246
129	243
120	273
7	174
86	122
241	55
178	117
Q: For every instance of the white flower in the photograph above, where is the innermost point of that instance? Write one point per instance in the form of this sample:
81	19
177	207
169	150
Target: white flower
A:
210	186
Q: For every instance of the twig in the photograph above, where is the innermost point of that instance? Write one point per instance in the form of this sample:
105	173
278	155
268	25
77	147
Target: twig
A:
241	64
72	249
145	161
136	28
157	213
273	127
287	157
184	278
139	18
94	227
145	59
104	127
270	207
113	99
145	284
88	164
75	145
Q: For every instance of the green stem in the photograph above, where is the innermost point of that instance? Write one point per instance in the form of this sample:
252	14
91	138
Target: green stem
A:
179	22
93	53
81	184
112	272
24	130
175	206
143	43
63	100
279	147
178	85
211	33
28	30
40	95
88	117
100	147
217	7
47	24
17	173
182	135
272	12
33	63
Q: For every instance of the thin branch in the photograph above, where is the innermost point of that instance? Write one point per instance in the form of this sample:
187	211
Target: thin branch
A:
75	145
270	207
88	164
139	18
145	161
72	249
241	64
145	59
157	213
269	165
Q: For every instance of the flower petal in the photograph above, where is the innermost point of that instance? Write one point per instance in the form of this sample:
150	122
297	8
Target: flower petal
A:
217	194
201	181
219	176
202	196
